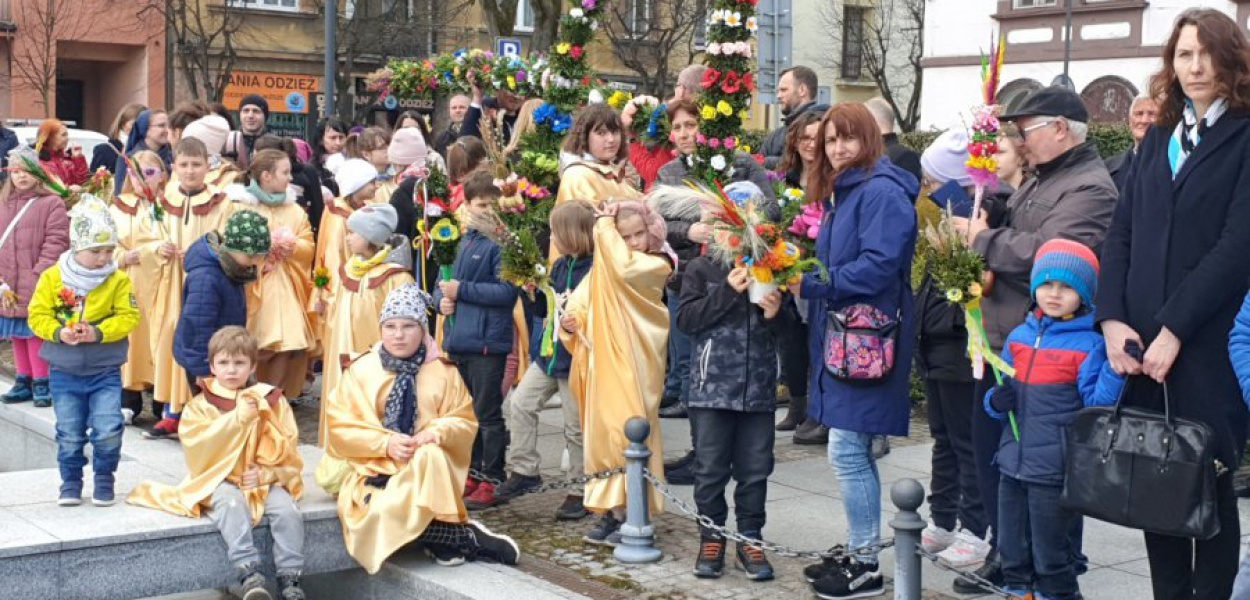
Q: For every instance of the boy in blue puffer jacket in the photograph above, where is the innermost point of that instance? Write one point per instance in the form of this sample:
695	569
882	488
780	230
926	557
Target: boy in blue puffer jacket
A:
481	336
1239	354
1061	367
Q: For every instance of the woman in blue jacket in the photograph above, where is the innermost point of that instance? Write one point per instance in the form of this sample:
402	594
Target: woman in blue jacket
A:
866	241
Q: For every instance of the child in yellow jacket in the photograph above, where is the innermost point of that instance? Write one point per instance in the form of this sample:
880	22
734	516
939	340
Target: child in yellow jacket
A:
243	463
83	308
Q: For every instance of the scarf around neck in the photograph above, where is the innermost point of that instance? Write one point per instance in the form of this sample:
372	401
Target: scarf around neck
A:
264	197
80	279
359	267
236	272
400	413
1189	132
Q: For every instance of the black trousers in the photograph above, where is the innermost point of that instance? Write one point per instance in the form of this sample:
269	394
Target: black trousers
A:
987	433
1189	569
954	493
794	355
732	444
483	375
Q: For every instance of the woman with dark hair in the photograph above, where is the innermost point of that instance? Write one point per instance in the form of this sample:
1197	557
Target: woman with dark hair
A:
411	118
867	246
105	154
184	114
1174	273
598	169
798	158
329	142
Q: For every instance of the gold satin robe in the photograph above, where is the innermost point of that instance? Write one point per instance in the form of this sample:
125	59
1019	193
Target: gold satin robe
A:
278	313
595	183
186	220
221	434
377	522
351	322
620	311
331	250
137	230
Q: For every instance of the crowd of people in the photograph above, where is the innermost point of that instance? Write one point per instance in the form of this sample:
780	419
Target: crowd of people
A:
233	266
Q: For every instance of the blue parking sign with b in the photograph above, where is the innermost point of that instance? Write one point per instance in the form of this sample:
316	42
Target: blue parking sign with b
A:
508	47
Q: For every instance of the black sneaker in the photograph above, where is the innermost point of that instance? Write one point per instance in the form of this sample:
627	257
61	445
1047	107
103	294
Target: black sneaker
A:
493	546
991	571
252	583
751	560
288	586
516	486
682	471
711	561
572	510
445	555
602	530
676	411
816	572
853	580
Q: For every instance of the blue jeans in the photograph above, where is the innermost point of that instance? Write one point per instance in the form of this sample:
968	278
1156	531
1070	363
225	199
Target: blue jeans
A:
87	402
850	454
677	382
1241	586
1034	539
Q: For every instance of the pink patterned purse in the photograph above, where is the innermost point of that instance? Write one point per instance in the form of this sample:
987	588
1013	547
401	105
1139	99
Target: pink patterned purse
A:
860	343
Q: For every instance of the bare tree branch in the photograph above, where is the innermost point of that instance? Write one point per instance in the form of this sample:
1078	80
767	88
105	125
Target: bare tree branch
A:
649	35
45	23
890	53
204	40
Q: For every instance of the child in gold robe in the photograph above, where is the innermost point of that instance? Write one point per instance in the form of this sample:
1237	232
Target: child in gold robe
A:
616	327
243	463
600	169
403	421
380	262
140	235
278	311
356	180
190	210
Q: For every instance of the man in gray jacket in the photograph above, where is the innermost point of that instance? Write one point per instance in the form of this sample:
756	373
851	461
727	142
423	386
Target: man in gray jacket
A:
1071	197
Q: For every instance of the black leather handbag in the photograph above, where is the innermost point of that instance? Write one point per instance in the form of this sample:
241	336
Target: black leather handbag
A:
1142	469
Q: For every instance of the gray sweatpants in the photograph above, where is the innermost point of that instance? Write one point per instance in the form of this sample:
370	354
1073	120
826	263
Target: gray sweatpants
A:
230	513
527	400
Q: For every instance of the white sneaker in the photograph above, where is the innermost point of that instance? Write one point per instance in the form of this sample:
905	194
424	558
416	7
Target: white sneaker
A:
935	539
128	416
965	551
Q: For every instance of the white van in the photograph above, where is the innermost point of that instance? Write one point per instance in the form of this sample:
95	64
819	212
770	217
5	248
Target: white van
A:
88	140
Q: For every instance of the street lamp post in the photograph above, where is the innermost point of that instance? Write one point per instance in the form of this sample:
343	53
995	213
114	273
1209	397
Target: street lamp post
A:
331	55
1067	40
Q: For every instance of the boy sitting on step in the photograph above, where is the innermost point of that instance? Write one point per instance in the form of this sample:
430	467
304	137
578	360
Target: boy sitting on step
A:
243	462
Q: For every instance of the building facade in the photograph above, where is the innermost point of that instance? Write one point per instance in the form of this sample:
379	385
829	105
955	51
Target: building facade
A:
1116	47
79	60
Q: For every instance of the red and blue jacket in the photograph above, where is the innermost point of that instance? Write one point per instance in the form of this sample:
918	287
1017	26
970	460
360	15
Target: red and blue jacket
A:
1061	367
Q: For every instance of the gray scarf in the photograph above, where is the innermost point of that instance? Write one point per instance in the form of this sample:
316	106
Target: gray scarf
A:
80	279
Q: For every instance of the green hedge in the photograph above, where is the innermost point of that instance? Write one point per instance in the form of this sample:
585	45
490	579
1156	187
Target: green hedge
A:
1110	138
754	138
918	140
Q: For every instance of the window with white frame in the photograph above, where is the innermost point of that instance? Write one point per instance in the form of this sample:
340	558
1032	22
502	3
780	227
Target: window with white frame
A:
524	16
636	15
283	5
1032	3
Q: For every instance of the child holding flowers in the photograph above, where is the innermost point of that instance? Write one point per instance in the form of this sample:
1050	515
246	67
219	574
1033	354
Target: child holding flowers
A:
35	232
276	303
140	234
83	309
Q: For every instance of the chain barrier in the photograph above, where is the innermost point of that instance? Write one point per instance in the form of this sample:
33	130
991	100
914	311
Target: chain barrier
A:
986	585
835	553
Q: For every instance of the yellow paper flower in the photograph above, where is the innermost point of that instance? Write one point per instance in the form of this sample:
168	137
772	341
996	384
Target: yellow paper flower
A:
511	82
761	274
787	254
445	231
974	290
562	48
708	112
746	148
742	114
733	19
724	108
954	295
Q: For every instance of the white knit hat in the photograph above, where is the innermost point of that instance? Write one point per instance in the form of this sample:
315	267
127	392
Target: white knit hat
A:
353	175
944	160
212	130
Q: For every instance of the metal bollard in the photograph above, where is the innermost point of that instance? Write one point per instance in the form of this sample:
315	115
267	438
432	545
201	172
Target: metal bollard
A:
637	535
907	495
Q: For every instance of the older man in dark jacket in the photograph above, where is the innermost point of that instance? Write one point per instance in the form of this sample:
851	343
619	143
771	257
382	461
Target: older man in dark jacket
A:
796	93
1072	197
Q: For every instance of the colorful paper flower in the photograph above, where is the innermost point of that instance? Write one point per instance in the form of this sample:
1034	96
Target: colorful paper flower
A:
563	48
709	78
724	108
708	112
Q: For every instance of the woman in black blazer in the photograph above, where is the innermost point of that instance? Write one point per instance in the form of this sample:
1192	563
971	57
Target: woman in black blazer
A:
1175	268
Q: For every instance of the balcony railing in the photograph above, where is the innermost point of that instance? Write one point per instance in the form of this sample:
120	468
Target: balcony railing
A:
6	12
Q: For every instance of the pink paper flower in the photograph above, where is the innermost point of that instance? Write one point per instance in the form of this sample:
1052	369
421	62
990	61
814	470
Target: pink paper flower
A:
730	143
713	143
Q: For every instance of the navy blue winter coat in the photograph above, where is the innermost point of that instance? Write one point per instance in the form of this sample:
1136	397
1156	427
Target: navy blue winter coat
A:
867	245
210	301
483	323
1061	367
565	275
